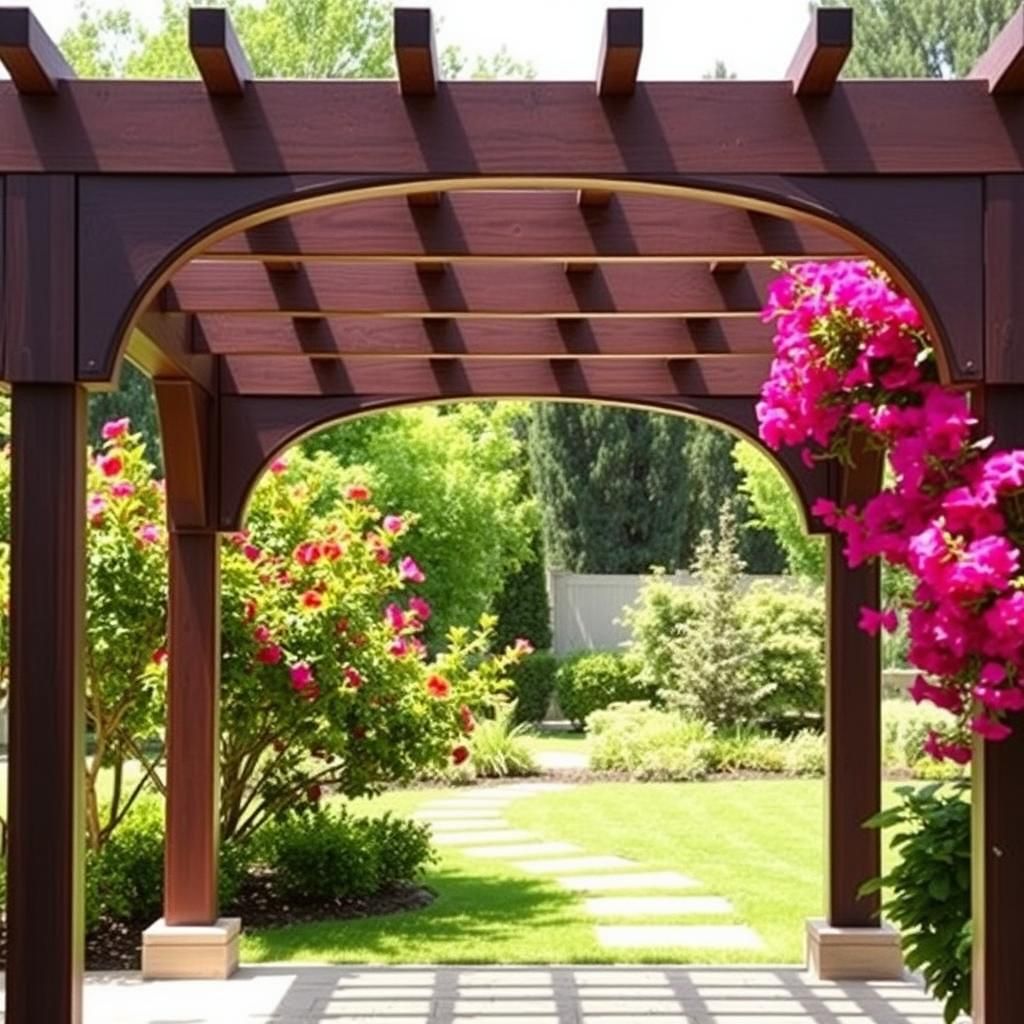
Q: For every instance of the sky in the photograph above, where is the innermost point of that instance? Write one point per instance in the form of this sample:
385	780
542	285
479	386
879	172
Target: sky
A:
682	38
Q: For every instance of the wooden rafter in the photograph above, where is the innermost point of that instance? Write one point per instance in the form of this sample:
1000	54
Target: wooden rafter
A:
468	290
822	51
415	52
539	225
218	54
32	58
1002	64
334	337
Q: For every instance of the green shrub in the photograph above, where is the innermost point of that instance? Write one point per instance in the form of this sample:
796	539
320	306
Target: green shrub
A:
929	889
649	743
905	727
533	682
788	652
805	753
327	854
522	606
585	683
499	746
748	750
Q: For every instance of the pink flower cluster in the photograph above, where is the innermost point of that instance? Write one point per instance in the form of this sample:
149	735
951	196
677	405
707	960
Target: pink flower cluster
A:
853	368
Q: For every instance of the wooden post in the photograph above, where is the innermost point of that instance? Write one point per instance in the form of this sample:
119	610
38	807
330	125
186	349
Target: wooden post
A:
46	853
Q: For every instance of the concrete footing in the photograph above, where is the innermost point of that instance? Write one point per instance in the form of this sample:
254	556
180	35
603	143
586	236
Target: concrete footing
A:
191	951
860	954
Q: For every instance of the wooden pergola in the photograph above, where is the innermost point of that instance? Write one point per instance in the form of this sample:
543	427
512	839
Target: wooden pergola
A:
279	255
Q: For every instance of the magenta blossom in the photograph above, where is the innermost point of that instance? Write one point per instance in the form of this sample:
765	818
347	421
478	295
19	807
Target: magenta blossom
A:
113	429
409	570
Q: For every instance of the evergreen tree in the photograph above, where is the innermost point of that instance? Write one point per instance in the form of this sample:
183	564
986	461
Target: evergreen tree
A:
611	485
921	38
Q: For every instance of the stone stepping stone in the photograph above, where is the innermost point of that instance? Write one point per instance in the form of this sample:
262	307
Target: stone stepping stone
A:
451	815
692	936
636	880
506	977
634	1007
466	824
597	863
656	906
521	850
507	835
508	1006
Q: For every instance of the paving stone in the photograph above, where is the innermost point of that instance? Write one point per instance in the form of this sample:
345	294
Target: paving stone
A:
452	815
620	976
510	976
507	835
589	863
463	824
660	1018
693	936
490	1006
656	906
636	880
514	850
635	1007
503	1019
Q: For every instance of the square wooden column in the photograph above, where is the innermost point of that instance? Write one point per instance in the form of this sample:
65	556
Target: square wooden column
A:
45	906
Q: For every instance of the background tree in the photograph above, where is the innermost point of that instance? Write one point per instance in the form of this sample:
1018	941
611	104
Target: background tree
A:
921	38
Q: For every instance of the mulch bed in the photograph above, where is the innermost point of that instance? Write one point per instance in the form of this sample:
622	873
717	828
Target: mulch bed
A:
117	945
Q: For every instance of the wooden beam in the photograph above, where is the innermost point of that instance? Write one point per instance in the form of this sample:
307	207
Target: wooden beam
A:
621	47
822	51
544	225
478	129
726	266
333	338
32	58
468	290
46	851
497	378
1002	64
161	345
187	422
415	52
217	52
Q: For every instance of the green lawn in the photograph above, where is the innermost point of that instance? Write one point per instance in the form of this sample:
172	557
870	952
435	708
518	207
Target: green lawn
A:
757	843
562	742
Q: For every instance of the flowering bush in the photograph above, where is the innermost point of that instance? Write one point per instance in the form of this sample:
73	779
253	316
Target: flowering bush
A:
854	369
325	678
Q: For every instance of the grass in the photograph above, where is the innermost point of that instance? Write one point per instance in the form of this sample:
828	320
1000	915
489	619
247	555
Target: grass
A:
757	843
562	741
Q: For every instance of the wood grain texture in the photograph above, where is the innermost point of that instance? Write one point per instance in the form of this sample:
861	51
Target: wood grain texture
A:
534	225
162	346
822	51
223	65
46	852
1001	66
330	338
636	379
415	51
622	44
1004	301
187	425
529	128
398	290
38	300
32	58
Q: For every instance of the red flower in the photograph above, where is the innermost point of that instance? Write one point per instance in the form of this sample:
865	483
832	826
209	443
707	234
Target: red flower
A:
250	611
113	429
353	678
468	722
460	754
357	492
261	634
312	599
302	676
111	465
333	550
308	553
251	552
159	656
438	686
269	655
278	466
314	792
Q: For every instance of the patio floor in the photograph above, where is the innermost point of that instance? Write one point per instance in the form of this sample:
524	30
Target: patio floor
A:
294	994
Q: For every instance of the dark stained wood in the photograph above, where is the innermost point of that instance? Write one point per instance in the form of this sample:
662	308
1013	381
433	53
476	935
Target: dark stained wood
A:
218	54
46	849
38	300
528	128
415	51
186	424
726	266
429	200
536	225
1004	301
594	198
386	289
1001	66
822	51
638	379
853	705
621	47
32	58
997	824
162	346
330	338
190	854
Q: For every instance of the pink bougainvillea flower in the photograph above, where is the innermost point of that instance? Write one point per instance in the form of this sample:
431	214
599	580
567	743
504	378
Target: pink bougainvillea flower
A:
159	656
522	646
989	728
466	719
395	617
357	492
95	507
278	466
149	533
111	465
419	608
394	524
308	553
312	599
399	647
269	655
301	675
113	429
261	634
409	570
251	552
352	678
123	489
438	686
871	620
460	754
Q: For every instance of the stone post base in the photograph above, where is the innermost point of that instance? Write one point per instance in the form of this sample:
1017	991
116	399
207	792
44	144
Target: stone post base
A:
191	951
861	954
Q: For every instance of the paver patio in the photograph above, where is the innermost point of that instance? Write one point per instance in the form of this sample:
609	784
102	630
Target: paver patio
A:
291	994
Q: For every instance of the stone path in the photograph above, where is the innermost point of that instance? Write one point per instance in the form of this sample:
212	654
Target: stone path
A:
296	994
620	920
